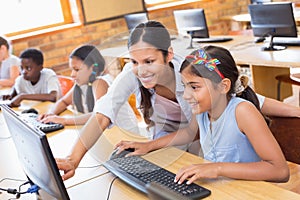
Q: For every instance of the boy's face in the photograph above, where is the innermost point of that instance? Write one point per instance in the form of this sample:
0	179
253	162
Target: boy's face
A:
30	70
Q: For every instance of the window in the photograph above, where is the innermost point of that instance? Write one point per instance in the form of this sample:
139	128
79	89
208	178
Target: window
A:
23	16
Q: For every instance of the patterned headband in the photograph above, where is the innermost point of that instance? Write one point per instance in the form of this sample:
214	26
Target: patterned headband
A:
202	59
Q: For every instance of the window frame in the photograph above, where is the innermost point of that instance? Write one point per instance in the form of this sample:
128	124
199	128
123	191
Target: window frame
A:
68	20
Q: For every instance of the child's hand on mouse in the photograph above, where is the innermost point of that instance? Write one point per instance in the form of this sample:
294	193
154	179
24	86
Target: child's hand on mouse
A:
6	97
140	148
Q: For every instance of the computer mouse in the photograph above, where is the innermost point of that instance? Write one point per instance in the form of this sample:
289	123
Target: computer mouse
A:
30	110
260	39
121	154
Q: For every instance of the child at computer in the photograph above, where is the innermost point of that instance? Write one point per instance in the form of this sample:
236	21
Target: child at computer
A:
234	134
9	64
92	81
35	82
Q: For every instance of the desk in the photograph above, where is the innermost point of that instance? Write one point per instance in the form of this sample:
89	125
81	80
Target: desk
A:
93	183
264	65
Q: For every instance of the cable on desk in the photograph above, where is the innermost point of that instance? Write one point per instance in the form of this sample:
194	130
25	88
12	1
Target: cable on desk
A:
32	189
12	179
4	138
88	167
241	46
110	186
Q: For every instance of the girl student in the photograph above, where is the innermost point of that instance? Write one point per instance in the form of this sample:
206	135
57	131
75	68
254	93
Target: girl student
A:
91	83
153	76
234	134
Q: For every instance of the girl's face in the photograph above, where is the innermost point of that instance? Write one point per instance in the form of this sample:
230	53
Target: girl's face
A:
198	92
149	64
80	72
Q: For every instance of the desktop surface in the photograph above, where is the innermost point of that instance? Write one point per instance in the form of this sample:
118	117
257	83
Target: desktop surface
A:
92	182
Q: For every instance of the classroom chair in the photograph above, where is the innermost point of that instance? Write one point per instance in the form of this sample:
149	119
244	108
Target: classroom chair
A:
135	18
66	83
293	79
286	131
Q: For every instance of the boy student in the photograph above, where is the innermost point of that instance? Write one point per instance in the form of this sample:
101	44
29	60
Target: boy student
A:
9	65
35	82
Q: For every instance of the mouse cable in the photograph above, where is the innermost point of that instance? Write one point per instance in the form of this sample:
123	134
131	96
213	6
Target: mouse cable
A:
92	166
32	189
12	179
4	138
110	186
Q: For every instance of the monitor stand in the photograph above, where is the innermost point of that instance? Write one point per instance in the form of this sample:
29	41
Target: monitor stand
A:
272	47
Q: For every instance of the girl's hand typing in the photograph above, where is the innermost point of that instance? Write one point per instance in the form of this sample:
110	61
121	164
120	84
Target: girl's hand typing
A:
197	171
54	119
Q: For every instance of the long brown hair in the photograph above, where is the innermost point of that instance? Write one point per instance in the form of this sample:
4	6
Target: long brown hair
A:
155	34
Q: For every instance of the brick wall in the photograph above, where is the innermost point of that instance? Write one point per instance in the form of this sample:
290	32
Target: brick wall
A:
57	46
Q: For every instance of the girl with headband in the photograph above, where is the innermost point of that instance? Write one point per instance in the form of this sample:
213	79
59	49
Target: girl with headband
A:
234	135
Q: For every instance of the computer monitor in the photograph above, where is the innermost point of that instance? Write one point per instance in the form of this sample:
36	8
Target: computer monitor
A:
260	1
132	20
274	19
189	18
35	155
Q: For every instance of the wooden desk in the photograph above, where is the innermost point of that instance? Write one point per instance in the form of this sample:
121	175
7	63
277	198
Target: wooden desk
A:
91	183
264	65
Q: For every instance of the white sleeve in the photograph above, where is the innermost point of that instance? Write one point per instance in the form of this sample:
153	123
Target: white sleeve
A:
18	84
53	82
117	95
261	99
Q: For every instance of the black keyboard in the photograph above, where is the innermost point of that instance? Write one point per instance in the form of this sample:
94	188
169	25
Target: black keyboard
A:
139	173
31	118
213	39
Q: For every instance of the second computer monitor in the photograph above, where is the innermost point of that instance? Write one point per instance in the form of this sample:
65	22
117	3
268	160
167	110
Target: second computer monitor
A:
271	20
260	1
191	18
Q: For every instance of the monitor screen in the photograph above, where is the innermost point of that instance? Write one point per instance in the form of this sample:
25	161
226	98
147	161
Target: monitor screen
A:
35	155
192	18
273	19
260	1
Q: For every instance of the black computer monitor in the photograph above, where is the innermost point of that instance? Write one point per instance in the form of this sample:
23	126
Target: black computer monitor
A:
35	155
192	18
271	20
260	1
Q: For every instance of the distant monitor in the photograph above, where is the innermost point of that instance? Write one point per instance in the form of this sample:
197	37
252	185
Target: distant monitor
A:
273	20
192	18
132	20
35	155
260	1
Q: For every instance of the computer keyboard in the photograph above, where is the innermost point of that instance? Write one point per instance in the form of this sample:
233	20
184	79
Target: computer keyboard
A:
213	39
288	41
31	118
138	172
